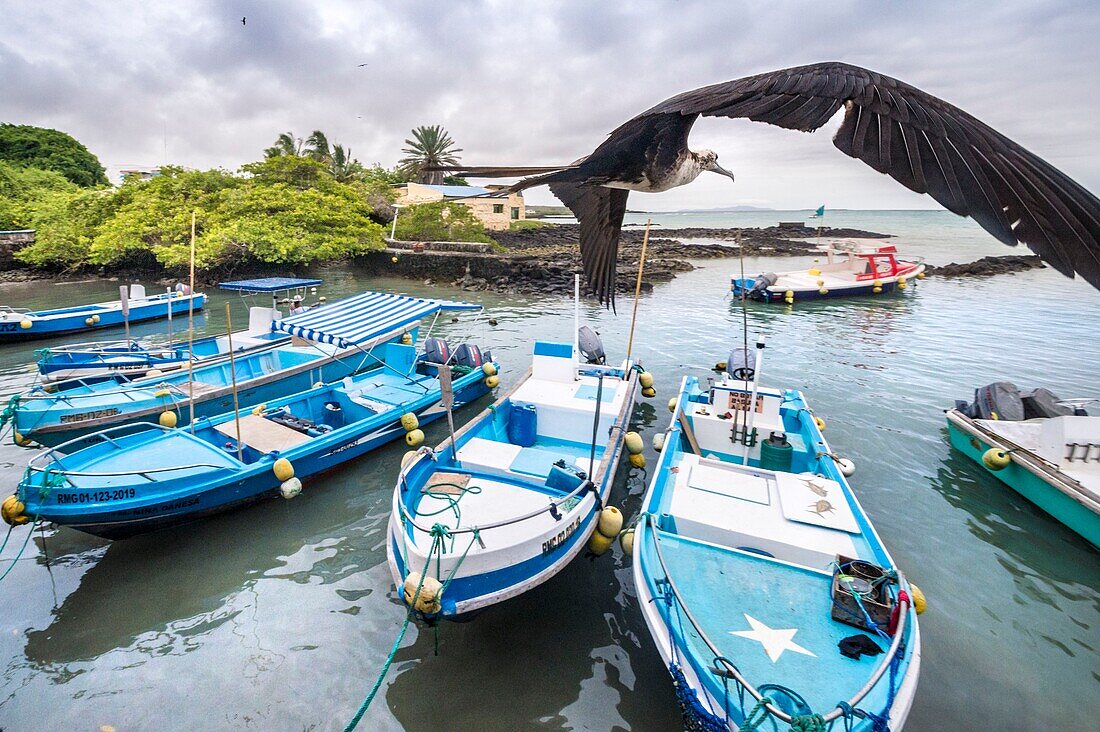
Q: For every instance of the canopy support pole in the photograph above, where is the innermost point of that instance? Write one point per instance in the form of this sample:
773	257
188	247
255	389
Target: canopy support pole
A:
233	378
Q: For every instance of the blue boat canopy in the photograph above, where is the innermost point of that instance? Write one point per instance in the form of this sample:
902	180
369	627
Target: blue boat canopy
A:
268	284
358	319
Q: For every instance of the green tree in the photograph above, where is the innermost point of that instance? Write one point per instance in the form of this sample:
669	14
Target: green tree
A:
20	187
39	147
439	221
285	145
429	146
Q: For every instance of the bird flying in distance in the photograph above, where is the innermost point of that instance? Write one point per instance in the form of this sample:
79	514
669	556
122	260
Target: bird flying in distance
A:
921	141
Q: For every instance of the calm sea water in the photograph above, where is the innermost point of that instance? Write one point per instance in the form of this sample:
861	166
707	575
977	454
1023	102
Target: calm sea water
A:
279	617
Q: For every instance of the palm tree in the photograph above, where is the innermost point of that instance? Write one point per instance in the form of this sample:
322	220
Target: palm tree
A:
343	166
286	144
317	147
430	146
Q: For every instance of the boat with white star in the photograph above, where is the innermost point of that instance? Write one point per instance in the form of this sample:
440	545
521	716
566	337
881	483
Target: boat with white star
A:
767	591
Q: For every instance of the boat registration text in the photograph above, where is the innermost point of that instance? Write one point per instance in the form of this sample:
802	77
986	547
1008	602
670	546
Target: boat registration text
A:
558	539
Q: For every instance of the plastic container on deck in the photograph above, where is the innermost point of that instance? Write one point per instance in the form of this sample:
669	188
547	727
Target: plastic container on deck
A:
523	425
776	453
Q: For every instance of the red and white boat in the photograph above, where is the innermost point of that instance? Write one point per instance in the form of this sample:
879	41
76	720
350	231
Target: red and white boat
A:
861	272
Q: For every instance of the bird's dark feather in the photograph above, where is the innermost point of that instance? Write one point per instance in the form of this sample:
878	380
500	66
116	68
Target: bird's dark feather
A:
600	211
924	143
927	145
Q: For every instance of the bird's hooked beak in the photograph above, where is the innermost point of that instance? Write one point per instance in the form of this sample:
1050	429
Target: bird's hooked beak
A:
716	168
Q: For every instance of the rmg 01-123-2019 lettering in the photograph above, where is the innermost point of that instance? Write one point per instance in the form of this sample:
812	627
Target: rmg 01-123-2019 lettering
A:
96	496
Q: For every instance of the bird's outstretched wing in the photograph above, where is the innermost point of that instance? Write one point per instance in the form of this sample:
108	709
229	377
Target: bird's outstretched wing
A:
600	212
927	145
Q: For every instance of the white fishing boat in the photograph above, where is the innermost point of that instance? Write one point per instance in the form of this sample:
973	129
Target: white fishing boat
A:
1044	448
506	503
768	593
860	272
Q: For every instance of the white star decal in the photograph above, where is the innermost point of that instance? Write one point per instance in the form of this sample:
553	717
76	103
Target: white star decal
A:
774	640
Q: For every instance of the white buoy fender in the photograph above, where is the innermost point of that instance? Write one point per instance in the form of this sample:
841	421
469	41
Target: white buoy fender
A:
290	488
659	441
431	591
611	522
847	467
672	404
407	458
633	442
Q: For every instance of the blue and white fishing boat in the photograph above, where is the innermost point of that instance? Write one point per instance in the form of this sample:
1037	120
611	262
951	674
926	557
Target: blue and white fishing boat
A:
328	343
135	358
136	478
1045	448
134	305
506	503
767	591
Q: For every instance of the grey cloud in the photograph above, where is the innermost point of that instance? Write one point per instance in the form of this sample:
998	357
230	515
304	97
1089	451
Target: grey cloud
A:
534	82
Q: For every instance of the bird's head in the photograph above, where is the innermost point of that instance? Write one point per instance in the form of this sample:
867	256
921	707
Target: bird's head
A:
709	161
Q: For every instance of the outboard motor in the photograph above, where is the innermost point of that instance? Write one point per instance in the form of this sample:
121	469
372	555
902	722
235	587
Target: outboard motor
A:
591	346
469	355
999	400
1043	403
763	282
436	350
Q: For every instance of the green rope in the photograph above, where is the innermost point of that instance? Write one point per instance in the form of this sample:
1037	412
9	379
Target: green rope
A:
808	723
752	721
437	543
8	415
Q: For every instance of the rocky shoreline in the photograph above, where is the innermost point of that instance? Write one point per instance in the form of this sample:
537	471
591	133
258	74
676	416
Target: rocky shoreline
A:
989	266
544	260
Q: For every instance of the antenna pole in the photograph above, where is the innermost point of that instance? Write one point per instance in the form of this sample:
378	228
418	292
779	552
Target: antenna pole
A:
751	411
124	302
638	289
168	291
233	377
577	319
191	332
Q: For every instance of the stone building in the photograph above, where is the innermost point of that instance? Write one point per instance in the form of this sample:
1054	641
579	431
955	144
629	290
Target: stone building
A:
496	213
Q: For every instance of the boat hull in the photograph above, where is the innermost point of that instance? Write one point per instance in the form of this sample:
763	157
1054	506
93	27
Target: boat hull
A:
238	488
1043	486
74	320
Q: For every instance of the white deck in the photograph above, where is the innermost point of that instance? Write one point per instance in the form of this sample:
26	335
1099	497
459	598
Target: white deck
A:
739	507
566	409
1055	440
497	501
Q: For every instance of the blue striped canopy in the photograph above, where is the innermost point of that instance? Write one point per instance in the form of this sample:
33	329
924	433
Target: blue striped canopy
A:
358	319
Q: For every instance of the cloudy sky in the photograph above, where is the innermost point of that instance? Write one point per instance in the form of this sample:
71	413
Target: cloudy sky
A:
515	82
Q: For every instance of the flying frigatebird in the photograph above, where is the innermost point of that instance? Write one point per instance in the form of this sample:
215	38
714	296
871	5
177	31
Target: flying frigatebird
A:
924	143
